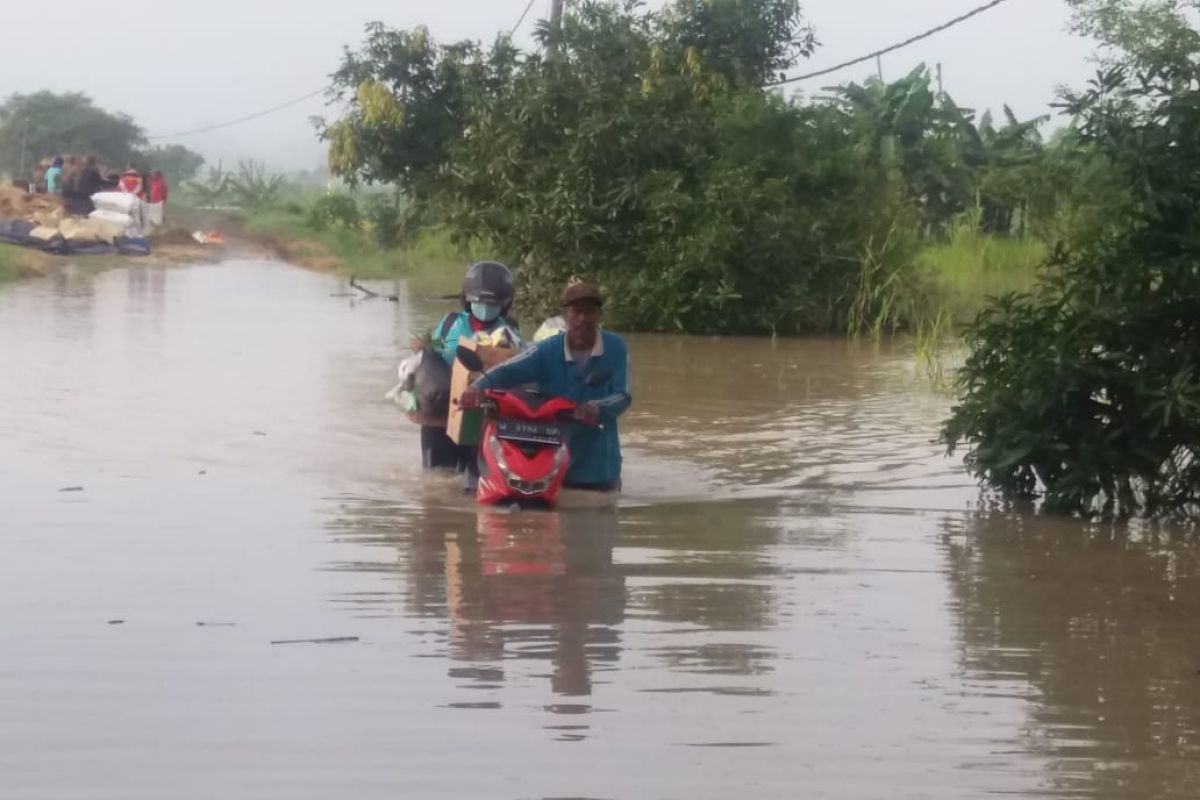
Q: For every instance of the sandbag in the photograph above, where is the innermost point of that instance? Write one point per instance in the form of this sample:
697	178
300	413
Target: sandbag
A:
132	245
115	217
91	230
118	202
16	228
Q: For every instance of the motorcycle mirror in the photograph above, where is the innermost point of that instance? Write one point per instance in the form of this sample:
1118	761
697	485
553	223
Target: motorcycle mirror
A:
597	377
469	358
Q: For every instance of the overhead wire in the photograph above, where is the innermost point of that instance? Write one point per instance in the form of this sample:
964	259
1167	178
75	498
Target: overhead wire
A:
795	79
246	118
892	48
524	14
295	101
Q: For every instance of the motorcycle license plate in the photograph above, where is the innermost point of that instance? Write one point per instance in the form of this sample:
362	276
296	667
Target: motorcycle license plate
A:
516	430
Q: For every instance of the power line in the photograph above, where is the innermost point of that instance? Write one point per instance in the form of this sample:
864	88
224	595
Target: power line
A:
240	120
290	103
837	67
900	45
524	14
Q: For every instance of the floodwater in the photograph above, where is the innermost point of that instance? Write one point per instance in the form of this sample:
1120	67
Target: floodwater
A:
799	597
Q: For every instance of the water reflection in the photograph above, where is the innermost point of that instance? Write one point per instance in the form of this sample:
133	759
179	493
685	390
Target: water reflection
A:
560	588
536	586
1102	622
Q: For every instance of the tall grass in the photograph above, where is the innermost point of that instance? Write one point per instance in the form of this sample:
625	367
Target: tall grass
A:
430	258
929	290
972	266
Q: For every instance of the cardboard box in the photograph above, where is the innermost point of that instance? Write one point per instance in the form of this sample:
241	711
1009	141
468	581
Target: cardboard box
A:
465	427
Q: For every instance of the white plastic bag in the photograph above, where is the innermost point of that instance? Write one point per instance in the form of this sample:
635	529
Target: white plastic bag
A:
118	202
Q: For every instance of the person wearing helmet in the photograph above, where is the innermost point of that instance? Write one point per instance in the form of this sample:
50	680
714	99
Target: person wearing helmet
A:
487	295
488	290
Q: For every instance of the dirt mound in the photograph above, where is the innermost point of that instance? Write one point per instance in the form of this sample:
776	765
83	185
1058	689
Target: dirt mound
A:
17	204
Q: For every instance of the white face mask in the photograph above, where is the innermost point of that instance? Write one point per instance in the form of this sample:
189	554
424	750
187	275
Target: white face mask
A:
485	312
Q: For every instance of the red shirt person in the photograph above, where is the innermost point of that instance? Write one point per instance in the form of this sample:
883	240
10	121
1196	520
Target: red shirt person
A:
158	190
130	183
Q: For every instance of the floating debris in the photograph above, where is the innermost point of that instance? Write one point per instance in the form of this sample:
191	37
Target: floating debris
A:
328	640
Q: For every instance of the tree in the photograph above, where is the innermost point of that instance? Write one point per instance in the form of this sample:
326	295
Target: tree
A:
409	100
646	154
43	124
749	42
177	163
1087	392
1141	33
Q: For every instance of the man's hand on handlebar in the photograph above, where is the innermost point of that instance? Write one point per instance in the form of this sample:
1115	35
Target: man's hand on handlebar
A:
588	413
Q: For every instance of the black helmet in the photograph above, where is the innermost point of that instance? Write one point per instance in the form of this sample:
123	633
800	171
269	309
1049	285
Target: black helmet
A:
488	282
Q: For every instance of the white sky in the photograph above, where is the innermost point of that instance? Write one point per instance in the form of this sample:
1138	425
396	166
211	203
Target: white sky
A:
182	64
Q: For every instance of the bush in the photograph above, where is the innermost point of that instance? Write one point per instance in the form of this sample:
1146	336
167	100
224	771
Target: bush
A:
1087	392
387	220
335	210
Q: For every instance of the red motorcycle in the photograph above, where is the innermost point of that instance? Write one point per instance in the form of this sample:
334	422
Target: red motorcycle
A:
523	454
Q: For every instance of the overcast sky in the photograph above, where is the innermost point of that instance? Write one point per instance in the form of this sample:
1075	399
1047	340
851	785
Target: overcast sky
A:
182	64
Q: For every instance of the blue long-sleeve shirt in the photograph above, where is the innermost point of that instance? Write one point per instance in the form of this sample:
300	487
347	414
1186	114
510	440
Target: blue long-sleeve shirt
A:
595	452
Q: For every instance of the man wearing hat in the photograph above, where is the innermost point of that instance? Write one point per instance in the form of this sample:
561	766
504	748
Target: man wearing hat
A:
560	366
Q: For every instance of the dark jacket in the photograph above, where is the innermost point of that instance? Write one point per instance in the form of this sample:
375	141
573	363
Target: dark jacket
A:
78	194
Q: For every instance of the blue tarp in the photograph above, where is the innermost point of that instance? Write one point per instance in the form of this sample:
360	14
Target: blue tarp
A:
16	231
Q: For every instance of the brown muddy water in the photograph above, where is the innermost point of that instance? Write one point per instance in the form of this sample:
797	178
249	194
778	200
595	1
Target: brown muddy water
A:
799	597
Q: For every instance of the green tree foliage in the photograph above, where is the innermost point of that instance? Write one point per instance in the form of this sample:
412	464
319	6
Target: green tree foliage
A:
410	99
178	164
1088	391
335	209
1143	34
43	124
650	153
749	42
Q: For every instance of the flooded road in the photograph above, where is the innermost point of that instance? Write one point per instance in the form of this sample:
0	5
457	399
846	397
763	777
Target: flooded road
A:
799	596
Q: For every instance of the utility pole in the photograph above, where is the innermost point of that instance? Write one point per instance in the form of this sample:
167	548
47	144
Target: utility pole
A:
941	89
556	12
879	67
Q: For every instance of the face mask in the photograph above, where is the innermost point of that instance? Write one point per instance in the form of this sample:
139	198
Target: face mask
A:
485	312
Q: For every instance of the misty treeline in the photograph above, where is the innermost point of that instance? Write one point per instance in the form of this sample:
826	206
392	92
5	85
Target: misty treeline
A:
41	125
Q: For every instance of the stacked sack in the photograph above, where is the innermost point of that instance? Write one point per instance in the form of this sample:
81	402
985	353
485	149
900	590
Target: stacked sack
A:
123	213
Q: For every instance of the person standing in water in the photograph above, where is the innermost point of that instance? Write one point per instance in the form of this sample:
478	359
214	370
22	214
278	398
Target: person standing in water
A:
563	366
488	291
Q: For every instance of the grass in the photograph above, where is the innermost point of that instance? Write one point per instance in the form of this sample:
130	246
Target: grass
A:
20	262
431	260
971	267
8	263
